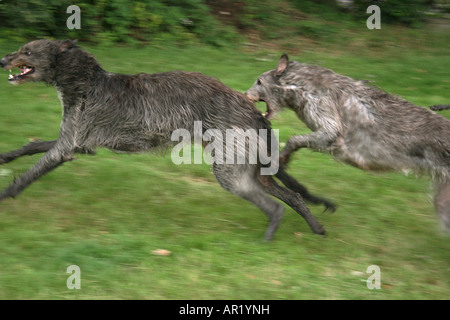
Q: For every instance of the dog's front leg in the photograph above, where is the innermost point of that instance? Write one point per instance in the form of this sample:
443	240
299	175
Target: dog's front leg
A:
319	141
52	159
62	151
27	150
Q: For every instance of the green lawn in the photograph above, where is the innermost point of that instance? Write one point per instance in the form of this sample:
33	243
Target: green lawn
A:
108	213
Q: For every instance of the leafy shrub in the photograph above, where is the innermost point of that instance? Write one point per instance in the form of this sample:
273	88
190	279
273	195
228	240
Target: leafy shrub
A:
114	21
394	11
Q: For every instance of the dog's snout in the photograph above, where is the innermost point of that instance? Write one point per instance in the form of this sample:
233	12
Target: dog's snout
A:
251	97
3	63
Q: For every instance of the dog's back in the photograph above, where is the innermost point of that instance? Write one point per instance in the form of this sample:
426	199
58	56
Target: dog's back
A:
158	104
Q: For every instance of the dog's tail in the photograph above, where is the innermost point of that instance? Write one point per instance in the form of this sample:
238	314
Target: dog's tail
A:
439	107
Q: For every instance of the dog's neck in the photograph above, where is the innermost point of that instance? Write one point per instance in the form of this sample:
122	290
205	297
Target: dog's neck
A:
73	70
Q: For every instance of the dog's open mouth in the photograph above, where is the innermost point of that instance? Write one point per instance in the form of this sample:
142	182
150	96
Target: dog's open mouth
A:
269	112
24	71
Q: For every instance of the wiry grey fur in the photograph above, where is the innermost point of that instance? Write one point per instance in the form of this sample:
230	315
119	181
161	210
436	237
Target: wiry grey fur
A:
134	113
359	124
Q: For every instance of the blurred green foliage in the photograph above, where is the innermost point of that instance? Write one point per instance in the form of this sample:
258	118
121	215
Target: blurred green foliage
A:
410	12
114	21
218	23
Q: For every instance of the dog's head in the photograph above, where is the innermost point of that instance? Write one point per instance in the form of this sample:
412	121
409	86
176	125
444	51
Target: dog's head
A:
35	60
270	87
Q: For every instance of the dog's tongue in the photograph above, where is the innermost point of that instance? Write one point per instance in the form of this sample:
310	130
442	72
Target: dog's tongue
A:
24	70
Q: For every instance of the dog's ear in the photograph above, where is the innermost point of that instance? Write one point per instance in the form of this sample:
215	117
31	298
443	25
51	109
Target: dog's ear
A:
67	45
282	65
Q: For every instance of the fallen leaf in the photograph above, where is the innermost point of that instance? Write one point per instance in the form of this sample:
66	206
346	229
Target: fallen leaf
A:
161	252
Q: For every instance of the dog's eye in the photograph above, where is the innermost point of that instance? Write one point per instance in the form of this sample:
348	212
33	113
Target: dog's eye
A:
28	53
258	82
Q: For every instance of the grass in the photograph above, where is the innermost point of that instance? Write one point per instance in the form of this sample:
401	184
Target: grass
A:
108	213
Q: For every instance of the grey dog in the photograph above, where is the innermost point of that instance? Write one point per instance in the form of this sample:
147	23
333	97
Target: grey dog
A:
359	124
134	113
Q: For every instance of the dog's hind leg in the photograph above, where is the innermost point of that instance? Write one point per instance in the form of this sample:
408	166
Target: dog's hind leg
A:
294	200
27	150
242	180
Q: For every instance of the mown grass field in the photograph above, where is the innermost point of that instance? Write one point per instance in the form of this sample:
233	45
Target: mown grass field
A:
108	213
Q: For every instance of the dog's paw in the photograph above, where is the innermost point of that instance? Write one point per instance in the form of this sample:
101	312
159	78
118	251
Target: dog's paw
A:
329	206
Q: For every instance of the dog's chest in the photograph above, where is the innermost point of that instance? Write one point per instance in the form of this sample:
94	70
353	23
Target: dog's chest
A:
61	99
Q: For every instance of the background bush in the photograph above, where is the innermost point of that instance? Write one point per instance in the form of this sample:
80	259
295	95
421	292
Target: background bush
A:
410	12
219	23
114	21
